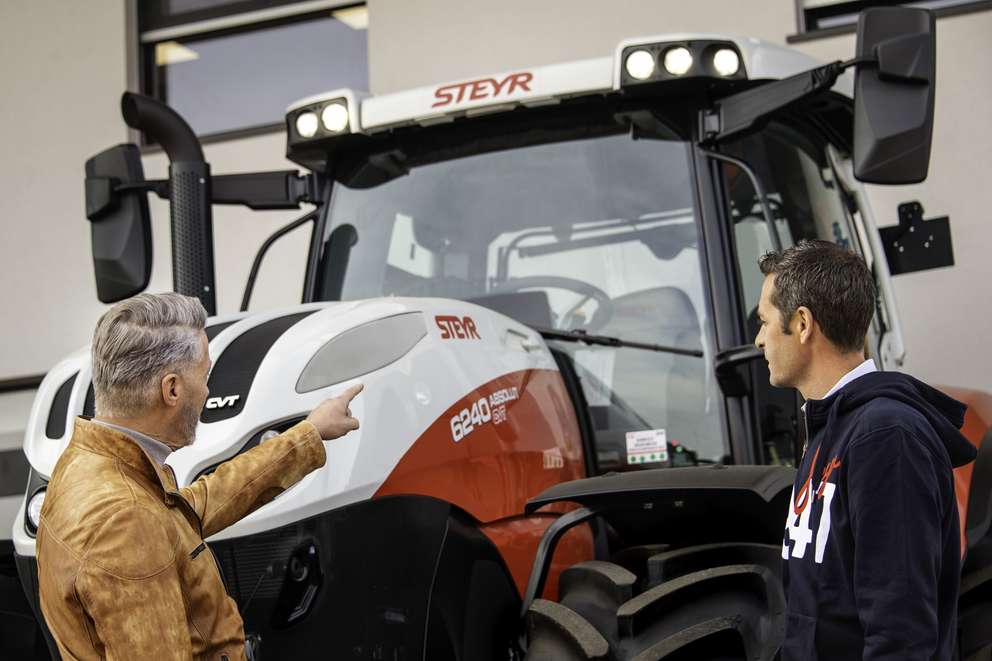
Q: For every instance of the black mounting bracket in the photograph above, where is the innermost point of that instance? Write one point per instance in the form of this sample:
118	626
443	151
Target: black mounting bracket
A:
917	244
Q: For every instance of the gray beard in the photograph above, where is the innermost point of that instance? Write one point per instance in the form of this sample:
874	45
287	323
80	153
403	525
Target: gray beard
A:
190	416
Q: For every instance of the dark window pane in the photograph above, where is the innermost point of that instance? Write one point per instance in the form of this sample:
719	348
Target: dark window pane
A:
157	14
825	14
248	78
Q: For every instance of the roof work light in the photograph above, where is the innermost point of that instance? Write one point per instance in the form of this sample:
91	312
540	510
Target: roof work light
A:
640	64
661	61
726	62
320	117
678	60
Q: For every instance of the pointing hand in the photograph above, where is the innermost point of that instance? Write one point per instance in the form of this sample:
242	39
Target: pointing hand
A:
332	417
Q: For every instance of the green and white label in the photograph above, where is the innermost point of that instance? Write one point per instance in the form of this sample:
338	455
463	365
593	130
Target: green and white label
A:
647	447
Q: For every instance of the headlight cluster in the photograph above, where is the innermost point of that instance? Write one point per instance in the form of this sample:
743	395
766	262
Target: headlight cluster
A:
656	62
323	119
33	511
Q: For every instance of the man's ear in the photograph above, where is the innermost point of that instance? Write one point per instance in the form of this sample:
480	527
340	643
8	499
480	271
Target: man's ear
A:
170	389
803	320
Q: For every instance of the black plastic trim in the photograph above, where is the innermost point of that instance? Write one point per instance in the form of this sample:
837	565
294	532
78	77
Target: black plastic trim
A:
89	404
684	506
235	369
14	471
55	426
214	330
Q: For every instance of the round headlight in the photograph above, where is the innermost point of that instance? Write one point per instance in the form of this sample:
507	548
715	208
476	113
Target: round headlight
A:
335	117
726	62
640	64
678	60
34	508
268	435
306	124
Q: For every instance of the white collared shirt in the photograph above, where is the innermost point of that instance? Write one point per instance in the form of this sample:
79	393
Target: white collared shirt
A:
866	367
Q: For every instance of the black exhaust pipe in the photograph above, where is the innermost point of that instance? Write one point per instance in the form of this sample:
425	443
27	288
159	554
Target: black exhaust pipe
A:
189	195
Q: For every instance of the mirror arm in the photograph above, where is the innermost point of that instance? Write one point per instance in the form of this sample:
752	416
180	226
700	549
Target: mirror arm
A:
740	112
103	193
158	186
284	189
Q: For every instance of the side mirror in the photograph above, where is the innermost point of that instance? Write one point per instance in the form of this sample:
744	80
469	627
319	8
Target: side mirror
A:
893	98
117	207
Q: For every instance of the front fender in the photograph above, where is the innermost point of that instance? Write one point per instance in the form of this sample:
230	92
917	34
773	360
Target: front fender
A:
685	505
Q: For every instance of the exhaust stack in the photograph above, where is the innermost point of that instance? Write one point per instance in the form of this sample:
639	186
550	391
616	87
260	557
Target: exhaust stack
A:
189	195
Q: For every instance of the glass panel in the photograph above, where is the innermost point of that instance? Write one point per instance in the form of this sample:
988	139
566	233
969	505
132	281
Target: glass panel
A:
597	235
249	78
804	199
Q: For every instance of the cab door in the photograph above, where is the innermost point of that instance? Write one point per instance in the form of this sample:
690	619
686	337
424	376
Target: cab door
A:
805	201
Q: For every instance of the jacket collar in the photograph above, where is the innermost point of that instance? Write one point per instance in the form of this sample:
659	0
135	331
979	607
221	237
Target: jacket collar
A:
110	442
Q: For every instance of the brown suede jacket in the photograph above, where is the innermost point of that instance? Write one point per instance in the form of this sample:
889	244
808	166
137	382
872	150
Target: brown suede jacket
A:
123	570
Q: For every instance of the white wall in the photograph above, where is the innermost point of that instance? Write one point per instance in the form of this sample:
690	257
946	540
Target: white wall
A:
62	69
61	75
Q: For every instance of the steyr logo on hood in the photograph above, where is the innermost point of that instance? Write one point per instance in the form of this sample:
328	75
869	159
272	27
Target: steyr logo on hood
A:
452	327
222	402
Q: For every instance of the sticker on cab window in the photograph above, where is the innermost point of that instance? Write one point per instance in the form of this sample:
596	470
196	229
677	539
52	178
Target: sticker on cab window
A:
647	447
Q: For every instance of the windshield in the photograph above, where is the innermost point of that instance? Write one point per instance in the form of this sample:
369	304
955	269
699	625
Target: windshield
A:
597	235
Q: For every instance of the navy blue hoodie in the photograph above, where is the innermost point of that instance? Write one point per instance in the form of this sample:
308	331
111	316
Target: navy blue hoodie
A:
872	542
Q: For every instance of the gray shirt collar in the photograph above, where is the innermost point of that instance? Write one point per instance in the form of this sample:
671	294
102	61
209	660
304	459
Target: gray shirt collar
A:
156	450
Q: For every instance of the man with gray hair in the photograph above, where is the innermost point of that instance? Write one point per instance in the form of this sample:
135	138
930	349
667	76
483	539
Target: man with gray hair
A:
124	572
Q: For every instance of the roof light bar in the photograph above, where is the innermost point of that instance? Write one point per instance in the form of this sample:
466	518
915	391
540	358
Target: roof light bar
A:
319	120
661	61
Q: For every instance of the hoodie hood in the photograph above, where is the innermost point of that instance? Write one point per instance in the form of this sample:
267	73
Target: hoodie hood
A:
945	414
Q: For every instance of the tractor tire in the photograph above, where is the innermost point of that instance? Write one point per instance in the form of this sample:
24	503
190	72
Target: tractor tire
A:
975	605
705	603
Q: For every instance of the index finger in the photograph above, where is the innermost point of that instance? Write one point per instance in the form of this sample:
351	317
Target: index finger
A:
351	392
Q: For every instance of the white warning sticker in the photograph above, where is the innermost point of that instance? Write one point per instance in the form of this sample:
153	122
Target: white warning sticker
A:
646	447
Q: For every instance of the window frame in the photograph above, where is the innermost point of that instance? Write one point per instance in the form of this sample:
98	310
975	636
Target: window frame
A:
239	17
807	32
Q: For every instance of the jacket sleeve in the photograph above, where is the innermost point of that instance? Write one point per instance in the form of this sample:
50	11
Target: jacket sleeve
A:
130	589
243	484
896	514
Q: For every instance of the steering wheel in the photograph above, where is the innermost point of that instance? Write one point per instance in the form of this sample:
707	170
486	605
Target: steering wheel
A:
604	304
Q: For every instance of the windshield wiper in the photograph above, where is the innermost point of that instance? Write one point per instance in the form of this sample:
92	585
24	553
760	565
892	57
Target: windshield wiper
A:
607	341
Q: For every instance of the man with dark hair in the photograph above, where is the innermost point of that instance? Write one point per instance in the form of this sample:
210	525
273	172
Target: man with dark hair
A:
872	542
